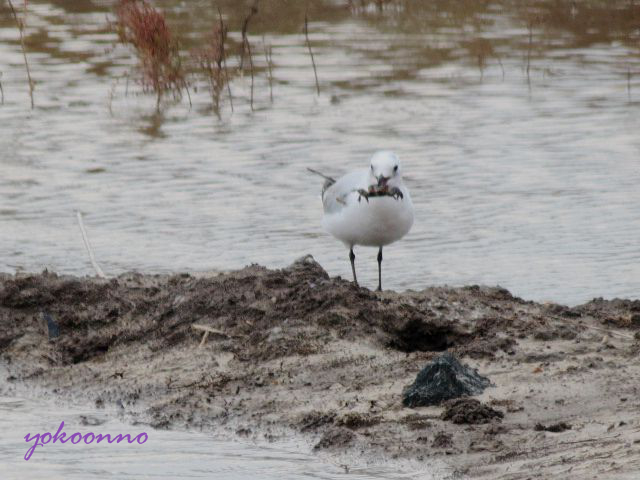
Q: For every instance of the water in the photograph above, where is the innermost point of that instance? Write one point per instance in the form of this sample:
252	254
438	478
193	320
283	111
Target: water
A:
164	455
528	181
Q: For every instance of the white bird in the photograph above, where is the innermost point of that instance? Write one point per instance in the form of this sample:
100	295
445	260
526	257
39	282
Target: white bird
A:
370	207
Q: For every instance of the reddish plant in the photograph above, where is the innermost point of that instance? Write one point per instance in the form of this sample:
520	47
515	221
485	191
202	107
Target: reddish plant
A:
146	29
212	60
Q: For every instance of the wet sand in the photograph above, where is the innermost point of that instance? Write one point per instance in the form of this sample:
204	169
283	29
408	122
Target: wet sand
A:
297	353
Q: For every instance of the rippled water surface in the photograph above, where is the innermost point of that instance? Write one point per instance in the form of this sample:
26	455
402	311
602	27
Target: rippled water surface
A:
164	455
518	127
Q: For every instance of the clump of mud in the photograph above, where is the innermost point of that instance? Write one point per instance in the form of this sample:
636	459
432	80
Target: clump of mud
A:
265	314
335	438
469	411
618	312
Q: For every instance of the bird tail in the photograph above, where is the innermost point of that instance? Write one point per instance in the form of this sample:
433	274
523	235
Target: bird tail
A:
327	178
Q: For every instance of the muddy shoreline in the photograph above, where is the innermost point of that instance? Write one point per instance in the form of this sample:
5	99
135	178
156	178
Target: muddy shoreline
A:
297	352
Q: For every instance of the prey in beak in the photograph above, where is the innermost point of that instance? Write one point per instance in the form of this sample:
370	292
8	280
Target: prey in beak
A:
382	181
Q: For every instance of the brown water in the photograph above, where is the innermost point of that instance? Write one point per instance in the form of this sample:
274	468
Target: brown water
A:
528	180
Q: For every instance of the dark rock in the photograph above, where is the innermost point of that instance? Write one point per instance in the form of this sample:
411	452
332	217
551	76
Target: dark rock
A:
443	379
469	411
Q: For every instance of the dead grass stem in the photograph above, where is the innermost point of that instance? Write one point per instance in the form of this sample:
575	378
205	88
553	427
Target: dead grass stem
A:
21	24
313	62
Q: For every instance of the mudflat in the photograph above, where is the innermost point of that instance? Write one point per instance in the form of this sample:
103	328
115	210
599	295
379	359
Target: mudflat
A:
295	352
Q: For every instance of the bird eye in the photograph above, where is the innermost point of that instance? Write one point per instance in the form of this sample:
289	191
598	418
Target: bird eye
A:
395	169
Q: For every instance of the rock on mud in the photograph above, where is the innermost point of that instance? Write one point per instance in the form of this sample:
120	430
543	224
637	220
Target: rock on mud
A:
443	379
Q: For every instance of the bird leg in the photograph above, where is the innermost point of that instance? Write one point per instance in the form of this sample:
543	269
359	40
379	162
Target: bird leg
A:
380	269
352	259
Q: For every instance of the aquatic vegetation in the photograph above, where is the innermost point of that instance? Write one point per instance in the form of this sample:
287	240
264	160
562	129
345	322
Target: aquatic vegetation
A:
268	57
145	29
246	46
313	62
212	61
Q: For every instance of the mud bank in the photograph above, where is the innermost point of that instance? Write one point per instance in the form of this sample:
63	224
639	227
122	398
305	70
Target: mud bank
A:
297	352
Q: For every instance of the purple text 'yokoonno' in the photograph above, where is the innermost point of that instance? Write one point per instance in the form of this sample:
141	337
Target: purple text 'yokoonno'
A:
42	439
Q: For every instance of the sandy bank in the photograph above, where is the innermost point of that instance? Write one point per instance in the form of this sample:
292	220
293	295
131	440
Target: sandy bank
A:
301	352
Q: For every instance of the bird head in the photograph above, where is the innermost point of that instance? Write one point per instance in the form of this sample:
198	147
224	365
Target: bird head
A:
385	169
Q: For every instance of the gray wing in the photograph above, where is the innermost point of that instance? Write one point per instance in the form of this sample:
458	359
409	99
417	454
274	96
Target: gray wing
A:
334	195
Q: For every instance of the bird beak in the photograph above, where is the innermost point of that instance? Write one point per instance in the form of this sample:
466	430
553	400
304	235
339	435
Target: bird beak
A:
382	181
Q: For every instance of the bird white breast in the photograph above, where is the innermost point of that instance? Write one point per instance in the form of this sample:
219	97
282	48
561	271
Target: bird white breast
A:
376	223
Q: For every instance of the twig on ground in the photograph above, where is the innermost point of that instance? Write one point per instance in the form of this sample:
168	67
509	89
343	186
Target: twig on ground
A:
609	332
87	245
207	330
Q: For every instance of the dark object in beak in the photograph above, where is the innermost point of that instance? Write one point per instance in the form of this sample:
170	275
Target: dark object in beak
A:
382	181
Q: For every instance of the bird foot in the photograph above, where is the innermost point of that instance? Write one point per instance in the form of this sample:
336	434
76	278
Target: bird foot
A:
363	193
396	193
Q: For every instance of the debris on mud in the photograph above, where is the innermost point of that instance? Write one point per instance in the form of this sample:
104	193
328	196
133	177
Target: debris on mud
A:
469	411
355	420
554	427
335	438
443	379
52	327
417	422
621	313
442	440
312	421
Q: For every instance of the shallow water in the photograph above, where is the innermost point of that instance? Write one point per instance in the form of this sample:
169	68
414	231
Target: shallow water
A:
166	454
524	180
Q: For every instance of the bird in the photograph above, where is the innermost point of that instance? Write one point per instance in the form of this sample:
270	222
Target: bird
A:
369	207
